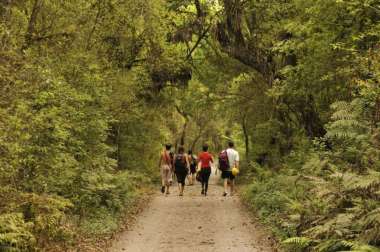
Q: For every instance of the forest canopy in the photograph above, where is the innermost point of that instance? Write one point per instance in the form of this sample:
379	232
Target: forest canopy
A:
91	90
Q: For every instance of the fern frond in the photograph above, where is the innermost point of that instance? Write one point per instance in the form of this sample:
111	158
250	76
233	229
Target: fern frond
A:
297	242
333	245
363	183
371	224
362	248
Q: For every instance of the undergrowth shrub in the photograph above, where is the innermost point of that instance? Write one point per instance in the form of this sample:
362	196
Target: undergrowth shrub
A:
15	233
116	196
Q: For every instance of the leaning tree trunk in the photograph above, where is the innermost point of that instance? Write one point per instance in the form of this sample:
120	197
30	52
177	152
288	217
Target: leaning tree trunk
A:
246	136
183	135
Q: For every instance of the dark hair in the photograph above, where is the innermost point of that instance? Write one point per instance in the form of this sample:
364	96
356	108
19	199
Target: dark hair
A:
190	152
181	149
205	147
230	144
168	146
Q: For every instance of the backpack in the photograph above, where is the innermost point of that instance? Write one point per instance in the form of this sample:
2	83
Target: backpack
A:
180	163
224	163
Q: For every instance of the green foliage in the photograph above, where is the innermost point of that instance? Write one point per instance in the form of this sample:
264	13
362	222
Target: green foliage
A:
317	139
83	114
15	233
89	92
297	243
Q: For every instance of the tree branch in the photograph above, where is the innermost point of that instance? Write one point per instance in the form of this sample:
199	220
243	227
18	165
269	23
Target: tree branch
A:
50	36
89	45
198	41
32	24
200	13
181	112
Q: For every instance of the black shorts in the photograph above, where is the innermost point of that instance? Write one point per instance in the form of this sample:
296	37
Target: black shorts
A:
205	174
193	169
181	177
227	175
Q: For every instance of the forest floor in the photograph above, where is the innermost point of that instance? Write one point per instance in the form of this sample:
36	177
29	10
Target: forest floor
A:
194	223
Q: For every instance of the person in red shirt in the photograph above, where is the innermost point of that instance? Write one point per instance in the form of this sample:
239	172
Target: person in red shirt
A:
205	161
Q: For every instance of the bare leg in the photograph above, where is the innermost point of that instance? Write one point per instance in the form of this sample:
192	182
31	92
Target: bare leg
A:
167	182
232	184
225	185
163	179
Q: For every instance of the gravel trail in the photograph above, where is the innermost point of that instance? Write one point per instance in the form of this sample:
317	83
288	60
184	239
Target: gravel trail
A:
194	223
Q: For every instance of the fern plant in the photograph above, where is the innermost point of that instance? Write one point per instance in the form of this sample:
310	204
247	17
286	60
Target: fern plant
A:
371	232
357	247
297	243
365	185
349	131
346	120
15	234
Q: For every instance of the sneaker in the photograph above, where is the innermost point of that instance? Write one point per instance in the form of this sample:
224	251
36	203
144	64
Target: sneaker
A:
203	191
163	189
224	194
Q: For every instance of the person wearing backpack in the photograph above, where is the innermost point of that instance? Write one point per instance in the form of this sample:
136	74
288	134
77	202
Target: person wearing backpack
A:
205	160
165	166
229	161
193	167
181	168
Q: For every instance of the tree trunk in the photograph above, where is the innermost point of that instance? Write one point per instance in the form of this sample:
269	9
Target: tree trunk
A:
32	24
118	143
246	136
183	135
199	9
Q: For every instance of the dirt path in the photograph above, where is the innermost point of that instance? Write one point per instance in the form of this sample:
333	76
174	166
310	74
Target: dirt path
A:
193	223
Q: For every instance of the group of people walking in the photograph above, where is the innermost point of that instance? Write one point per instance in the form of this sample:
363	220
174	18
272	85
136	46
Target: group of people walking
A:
193	168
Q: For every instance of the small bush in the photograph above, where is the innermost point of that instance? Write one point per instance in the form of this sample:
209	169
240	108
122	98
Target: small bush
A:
15	233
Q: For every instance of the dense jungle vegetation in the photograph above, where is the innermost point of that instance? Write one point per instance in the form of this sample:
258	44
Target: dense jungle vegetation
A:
90	90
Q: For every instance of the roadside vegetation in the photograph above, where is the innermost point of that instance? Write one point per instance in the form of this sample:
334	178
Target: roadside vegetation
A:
91	90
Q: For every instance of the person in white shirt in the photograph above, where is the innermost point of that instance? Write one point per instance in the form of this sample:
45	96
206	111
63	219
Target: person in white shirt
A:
227	176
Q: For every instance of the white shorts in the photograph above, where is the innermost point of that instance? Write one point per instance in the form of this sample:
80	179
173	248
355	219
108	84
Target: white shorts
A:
166	174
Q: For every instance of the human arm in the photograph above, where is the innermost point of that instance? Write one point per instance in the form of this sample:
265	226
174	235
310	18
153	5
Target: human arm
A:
199	163
187	163
237	160
172	163
237	164
211	160
159	163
